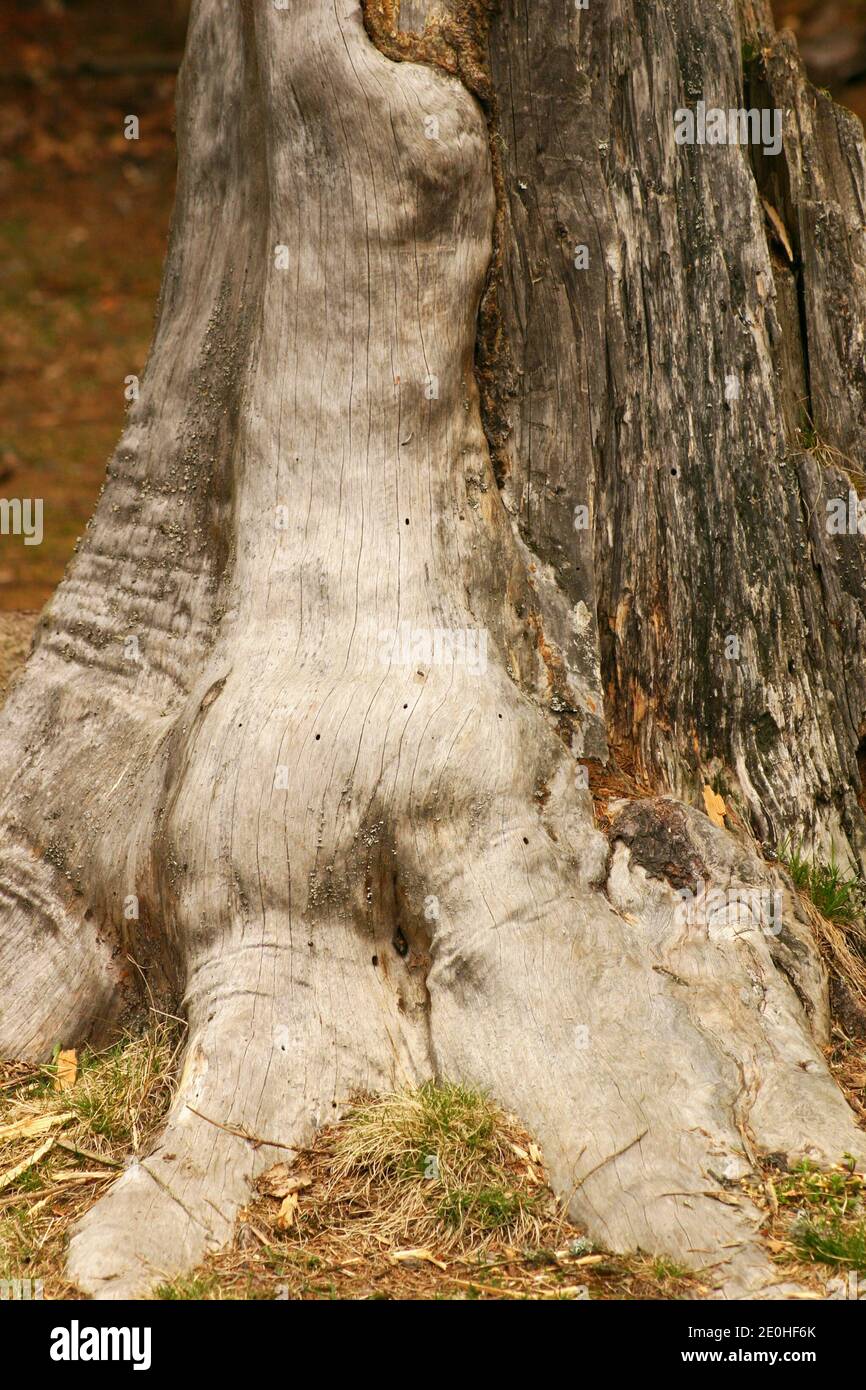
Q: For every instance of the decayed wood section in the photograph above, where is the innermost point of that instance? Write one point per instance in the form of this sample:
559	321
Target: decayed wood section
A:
720	400
331	793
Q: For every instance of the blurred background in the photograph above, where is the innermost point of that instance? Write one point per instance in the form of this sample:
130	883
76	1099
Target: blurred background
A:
84	215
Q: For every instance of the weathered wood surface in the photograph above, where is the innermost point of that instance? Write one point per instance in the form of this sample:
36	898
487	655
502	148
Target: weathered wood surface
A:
360	866
708	505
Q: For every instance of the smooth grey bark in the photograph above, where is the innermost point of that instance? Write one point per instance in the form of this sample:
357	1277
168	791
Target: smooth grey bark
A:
361	870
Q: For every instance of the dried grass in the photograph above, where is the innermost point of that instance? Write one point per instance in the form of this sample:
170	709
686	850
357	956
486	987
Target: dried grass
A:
456	1170
61	1149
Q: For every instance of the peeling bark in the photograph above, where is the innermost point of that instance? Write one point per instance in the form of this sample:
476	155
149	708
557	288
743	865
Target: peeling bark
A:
362	858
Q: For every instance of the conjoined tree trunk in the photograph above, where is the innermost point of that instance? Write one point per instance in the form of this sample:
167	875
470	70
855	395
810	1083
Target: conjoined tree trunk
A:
481	416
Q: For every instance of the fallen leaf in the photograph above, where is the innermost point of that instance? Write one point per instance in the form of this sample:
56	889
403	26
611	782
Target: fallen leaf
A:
776	1246
33	1125
280	1181
535	1153
715	807
13	1174
287	1213
277	1173
726	1198
67	1070
521	1153
415	1257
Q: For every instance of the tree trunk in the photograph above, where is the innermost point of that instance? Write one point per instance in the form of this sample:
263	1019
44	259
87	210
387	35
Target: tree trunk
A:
303	727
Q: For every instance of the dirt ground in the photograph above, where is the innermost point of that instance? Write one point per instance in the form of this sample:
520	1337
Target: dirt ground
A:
313	1232
84	220
16	630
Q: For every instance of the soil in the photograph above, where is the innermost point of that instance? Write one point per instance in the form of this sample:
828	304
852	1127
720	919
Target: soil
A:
16	630
82	238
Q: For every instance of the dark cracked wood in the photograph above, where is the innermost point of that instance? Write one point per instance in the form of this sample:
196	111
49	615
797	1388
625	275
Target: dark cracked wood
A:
699	386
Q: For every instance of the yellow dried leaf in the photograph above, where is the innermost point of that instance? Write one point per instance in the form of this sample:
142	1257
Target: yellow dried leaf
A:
715	807
34	1125
287	1213
67	1070
279	1181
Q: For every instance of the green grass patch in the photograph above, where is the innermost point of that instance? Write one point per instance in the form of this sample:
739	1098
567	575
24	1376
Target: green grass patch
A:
838	895
834	1191
195	1288
834	1241
445	1163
